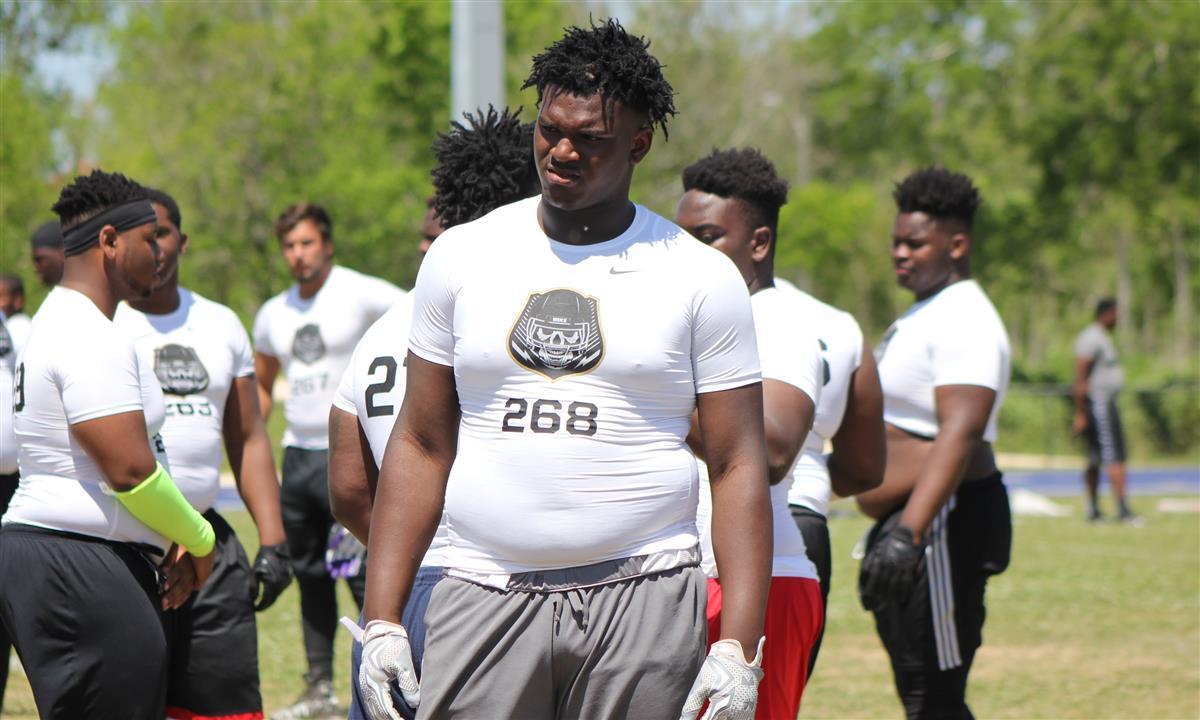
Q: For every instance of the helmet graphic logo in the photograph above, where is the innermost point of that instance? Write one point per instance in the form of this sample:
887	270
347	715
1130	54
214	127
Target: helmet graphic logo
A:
557	334
307	345
179	370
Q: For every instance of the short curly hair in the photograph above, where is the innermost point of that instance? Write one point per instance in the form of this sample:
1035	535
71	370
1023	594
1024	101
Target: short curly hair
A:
606	59
89	195
162	197
483	164
940	194
745	174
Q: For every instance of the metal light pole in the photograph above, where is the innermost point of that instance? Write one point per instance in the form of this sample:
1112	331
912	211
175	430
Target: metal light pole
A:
477	55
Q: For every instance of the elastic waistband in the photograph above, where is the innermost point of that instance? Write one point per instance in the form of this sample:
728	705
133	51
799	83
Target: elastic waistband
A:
583	576
987	481
23	529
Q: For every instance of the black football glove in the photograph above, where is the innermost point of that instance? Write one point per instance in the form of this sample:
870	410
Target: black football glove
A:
272	574
889	568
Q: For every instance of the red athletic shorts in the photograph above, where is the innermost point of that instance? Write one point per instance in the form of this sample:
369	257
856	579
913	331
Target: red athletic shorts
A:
794	619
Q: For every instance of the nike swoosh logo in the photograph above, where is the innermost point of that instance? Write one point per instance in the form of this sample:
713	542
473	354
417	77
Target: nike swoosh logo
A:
621	271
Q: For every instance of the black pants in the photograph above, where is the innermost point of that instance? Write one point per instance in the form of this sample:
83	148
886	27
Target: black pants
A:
931	636
307	520
8	486
213	640
815	529
84	616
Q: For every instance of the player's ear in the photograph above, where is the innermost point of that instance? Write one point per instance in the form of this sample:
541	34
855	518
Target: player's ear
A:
960	245
641	144
183	245
761	242
108	241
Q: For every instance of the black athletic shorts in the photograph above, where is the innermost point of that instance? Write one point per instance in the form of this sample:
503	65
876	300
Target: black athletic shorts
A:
1104	436
213	640
814	528
8	486
84	616
932	635
304	496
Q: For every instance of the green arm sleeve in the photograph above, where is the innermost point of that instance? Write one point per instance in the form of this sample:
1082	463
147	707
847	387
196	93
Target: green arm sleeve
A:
162	508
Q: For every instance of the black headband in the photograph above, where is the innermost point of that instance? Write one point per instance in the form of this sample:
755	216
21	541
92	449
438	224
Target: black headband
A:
122	217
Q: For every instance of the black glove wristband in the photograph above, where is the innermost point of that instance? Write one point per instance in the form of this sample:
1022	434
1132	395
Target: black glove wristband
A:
272	574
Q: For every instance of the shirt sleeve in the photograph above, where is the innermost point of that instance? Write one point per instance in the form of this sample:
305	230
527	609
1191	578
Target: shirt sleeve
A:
243	354
794	358
262	331
855	336
432	334
380	296
724	346
101	382
343	398
1086	346
961	357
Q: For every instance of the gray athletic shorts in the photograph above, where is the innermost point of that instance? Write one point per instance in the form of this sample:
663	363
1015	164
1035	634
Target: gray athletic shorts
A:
629	648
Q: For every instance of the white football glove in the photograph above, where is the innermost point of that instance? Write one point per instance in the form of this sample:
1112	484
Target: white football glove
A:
727	682
386	656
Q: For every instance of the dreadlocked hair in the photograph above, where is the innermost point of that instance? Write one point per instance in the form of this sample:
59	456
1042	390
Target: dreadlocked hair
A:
486	163
939	193
89	195
744	174
606	60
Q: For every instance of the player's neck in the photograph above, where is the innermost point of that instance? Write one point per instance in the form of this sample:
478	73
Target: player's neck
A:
763	278
310	287
163	301
588	226
93	283
957	275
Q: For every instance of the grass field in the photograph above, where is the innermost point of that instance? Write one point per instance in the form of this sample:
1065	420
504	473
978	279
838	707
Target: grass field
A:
1089	622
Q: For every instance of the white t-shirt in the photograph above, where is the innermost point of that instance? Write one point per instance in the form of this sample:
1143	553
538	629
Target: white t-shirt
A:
372	390
789	352
955	337
8	363
19	326
77	366
196	352
841	342
313	339
577	370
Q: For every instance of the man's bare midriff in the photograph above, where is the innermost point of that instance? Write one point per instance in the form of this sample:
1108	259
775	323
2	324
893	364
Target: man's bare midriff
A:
906	455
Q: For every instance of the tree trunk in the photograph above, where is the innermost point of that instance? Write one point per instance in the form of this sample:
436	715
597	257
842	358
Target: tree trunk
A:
1182	315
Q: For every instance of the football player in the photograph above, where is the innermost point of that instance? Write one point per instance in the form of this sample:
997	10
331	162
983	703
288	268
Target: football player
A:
96	510
943	525
308	331
558	348
201	358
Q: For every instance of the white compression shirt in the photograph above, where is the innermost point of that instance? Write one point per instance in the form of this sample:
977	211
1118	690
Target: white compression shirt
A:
77	366
8	363
841	342
577	370
196	352
312	339
789	352
955	337
19	326
372	390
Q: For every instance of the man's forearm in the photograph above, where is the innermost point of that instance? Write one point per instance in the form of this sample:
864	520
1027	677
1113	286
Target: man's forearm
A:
742	541
259	487
398	541
939	479
264	402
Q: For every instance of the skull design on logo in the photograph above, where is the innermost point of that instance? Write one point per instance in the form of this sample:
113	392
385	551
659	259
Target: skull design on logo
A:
179	370
557	334
307	345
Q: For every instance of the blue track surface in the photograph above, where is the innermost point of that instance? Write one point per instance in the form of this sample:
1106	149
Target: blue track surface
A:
1152	481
